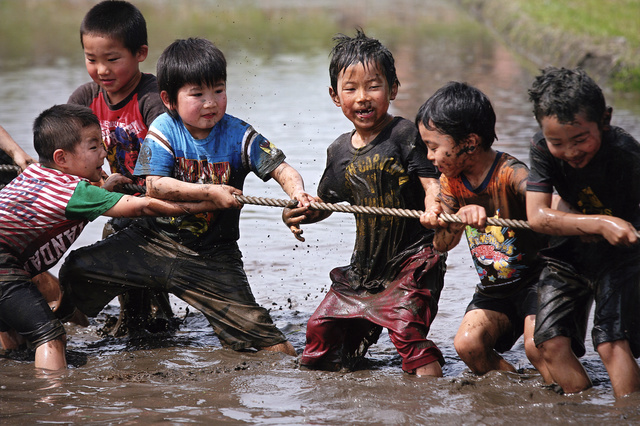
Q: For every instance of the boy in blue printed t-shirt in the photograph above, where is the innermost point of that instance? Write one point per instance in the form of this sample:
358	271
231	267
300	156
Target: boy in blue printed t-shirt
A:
194	147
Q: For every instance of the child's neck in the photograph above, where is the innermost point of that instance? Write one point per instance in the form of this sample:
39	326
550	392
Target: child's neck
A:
116	98
480	165
362	137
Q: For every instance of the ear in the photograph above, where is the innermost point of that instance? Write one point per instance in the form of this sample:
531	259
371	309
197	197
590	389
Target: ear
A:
334	97
472	143
60	158
142	53
165	99
605	123
394	91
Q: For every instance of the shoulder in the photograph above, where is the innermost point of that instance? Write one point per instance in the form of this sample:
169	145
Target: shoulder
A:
84	94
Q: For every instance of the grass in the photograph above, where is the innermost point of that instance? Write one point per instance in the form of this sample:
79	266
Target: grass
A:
598	20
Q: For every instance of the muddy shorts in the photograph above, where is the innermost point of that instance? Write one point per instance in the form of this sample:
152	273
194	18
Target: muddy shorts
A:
23	309
348	321
516	307
565	299
136	257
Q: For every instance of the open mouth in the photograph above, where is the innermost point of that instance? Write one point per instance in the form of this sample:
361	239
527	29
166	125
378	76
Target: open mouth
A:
365	113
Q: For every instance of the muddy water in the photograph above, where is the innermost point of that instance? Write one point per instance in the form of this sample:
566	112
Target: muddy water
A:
187	376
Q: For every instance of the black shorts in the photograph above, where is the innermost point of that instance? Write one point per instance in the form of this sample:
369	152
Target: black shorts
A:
23	309
516	307
566	297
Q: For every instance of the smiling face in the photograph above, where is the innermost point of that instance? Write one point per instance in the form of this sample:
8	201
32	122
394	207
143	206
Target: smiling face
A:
364	96
87	158
575	143
199	107
112	66
444	153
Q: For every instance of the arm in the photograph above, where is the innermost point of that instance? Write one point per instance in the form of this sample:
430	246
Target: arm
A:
8	145
543	218
167	188
131	206
292	183
447	235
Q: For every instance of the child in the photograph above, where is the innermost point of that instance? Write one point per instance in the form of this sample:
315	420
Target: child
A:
43	211
595	168
114	39
193	147
457	124
395	277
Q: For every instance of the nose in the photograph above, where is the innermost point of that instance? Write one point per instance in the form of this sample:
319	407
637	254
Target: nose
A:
103	68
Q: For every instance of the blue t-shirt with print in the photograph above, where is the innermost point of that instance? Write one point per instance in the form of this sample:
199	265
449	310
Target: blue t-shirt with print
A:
226	156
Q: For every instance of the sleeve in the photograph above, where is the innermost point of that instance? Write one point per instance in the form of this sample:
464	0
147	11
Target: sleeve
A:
418	161
157	157
151	106
83	95
541	162
264	156
89	201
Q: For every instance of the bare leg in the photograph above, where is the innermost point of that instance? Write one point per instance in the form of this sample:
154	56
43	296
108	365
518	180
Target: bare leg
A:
433	369
285	347
563	365
533	353
476	339
10	339
621	365
51	355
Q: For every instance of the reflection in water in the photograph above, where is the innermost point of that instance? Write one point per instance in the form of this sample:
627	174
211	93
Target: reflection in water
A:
278	81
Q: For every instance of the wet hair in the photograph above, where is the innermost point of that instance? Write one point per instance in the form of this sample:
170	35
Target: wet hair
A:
459	110
59	127
116	19
189	61
361	50
564	93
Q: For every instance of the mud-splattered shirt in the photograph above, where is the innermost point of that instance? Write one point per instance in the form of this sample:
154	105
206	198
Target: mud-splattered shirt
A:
232	150
384	173
608	185
505	258
125	124
42	213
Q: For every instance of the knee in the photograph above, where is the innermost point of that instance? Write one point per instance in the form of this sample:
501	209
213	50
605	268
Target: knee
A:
468	347
556	347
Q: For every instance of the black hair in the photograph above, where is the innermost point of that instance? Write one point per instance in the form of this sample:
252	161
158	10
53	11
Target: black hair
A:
459	110
119	20
59	128
361	49
189	61
564	93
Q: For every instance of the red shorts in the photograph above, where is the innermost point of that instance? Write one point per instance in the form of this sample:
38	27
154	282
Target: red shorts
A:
348	321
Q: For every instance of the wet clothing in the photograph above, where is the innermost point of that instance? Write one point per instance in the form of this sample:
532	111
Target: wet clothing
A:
42	212
194	257
506	258
608	185
125	124
394	278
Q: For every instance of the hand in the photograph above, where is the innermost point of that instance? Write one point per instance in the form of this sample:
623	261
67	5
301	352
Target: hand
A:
430	219
23	160
474	216
618	232
115	182
292	217
222	197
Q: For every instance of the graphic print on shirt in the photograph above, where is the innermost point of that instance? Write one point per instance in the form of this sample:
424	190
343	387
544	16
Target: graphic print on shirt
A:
203	172
493	252
589	203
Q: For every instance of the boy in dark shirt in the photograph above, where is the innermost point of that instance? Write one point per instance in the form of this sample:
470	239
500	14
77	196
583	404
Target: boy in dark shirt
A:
395	276
595	168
